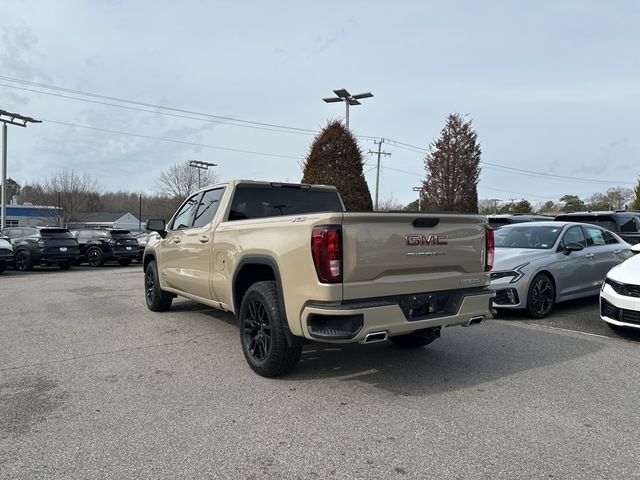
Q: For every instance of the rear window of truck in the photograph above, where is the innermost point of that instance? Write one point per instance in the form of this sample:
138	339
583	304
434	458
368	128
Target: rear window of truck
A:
259	202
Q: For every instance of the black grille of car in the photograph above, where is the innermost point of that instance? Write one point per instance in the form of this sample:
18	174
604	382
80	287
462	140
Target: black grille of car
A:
625	289
620	314
503	297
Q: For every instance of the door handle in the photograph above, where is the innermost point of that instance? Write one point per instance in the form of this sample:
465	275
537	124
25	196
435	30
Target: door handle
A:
176	240
204	239
589	255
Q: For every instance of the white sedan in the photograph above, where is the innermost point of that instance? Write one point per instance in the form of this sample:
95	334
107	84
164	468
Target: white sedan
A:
6	252
620	294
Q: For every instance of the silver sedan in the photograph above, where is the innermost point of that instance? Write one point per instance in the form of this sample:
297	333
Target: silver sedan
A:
543	263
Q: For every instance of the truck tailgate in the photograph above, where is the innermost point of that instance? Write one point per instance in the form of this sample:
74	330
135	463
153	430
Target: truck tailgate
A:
394	254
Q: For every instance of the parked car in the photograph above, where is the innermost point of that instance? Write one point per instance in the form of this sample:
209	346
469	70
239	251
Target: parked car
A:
294	267
142	239
540	264
622	222
6	252
98	246
42	246
500	220
620	294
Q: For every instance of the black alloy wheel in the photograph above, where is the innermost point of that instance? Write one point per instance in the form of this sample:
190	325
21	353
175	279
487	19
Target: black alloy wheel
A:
95	257
257	331
23	261
262	332
541	296
157	299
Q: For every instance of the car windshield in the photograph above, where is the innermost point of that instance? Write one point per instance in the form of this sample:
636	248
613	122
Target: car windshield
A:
527	236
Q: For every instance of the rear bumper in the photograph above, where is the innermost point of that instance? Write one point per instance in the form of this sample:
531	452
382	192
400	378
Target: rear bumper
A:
352	322
126	254
6	256
57	256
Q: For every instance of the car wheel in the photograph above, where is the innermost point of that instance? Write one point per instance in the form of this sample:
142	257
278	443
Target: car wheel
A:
95	257
541	296
23	261
157	299
262	335
417	339
125	262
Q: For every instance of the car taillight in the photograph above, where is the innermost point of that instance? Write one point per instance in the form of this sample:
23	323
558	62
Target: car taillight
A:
326	249
112	241
42	241
490	252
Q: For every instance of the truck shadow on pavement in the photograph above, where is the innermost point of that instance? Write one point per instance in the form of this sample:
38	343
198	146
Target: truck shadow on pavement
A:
460	360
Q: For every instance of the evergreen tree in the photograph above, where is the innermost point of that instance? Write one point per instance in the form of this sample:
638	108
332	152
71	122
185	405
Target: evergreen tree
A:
453	169
335	159
636	202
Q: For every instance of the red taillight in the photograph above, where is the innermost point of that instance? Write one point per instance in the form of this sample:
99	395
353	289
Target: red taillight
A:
490	254
326	249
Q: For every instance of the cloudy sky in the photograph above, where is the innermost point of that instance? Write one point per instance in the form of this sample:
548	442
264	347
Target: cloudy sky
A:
551	87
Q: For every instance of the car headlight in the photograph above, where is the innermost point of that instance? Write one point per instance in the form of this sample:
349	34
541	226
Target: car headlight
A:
516	273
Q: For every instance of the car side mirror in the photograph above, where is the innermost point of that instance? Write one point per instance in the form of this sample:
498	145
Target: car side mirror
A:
635	248
572	247
157	225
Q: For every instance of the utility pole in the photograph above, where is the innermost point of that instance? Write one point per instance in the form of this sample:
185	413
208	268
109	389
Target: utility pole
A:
20	121
201	166
380	153
140	212
342	95
418	189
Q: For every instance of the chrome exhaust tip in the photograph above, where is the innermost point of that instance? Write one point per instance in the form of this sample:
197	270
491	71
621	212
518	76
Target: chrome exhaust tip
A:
375	337
475	321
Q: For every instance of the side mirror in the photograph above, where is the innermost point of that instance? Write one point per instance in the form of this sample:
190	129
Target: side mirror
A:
572	247
635	248
157	225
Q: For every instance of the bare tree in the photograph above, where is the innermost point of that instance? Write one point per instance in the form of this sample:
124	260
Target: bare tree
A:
179	180
67	190
389	203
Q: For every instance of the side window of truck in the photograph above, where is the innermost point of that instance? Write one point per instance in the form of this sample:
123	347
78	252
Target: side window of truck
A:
182	219
207	208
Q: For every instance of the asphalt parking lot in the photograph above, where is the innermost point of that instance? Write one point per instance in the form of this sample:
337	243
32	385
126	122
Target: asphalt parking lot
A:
93	385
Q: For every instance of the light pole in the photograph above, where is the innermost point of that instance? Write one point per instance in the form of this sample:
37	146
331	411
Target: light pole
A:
418	189
343	96
20	121
201	166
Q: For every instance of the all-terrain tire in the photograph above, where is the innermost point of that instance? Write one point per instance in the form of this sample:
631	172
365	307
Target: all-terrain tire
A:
262	334
157	299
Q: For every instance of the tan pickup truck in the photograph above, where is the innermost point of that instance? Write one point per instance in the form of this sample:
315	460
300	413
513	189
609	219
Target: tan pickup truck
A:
294	267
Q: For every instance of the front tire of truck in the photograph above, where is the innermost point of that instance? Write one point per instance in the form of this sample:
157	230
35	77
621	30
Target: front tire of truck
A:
157	299
417	339
262	334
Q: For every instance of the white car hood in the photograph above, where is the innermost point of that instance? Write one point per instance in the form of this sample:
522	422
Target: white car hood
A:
627	272
5	244
509	258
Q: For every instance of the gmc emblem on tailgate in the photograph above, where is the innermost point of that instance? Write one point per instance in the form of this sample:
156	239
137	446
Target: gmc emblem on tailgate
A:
413	240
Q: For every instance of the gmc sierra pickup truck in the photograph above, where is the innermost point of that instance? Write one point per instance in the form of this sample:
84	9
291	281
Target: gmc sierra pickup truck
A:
293	266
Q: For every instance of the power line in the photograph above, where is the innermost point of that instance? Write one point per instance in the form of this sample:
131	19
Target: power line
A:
267	126
171	140
155	112
149	105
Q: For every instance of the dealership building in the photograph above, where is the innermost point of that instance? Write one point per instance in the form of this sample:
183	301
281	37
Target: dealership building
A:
32	215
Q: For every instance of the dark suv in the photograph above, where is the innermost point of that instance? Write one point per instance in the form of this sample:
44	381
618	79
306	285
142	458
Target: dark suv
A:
101	245
42	246
500	220
625	223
